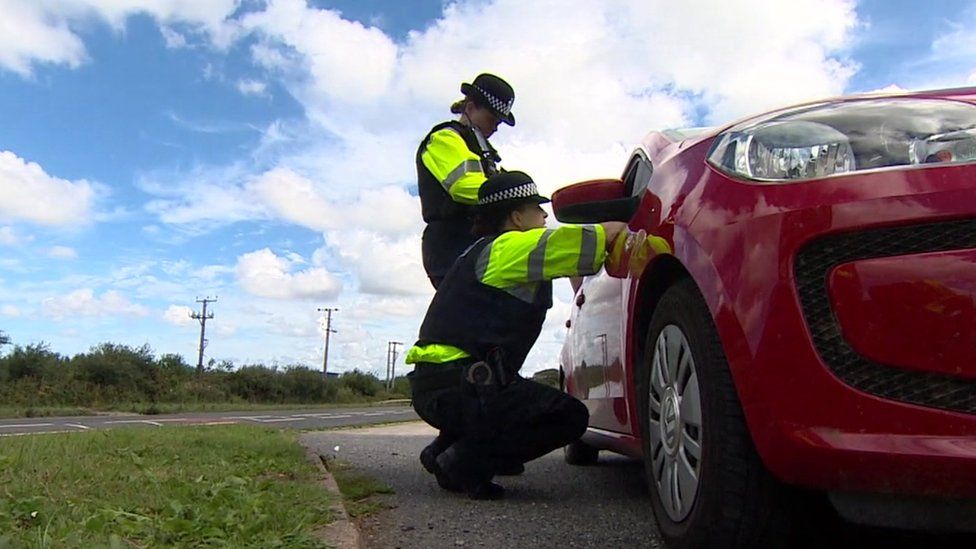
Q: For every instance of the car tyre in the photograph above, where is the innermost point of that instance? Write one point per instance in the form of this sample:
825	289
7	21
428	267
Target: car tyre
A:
580	453
708	485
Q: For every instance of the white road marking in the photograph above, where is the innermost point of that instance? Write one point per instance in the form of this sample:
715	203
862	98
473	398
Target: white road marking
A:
25	425
78	425
281	419
157	424
34	433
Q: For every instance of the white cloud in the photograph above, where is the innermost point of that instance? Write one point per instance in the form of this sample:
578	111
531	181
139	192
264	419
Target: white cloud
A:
62	252
383	265
971	79
348	63
174	40
27	35
10	237
84	302
178	315
30	194
9	310
214	194
890	88
40	31
297	199
264	274
251	87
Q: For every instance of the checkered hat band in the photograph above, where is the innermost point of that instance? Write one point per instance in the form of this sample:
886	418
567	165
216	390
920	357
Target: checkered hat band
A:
496	103
525	190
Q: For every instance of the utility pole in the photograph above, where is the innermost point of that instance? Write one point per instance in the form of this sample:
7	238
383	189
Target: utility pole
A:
391	356
202	317
328	330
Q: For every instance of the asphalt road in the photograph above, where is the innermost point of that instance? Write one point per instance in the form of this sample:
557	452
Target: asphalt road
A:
300	419
552	504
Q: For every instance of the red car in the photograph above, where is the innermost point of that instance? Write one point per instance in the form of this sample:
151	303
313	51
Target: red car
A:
805	317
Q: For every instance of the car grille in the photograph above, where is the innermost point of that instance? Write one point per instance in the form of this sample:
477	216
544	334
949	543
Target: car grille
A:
814	262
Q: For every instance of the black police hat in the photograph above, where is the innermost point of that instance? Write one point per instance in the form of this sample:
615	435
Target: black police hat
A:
494	93
509	187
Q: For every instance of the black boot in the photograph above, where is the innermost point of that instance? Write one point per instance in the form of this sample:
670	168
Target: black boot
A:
463	468
509	468
428	458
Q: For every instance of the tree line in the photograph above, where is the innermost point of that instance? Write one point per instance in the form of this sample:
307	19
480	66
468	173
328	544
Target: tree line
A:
112	376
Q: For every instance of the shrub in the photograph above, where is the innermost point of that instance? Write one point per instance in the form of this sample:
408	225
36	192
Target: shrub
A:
302	384
35	361
255	383
361	383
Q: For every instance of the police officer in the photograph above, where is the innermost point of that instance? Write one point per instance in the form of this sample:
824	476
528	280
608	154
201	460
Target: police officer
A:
486	315
453	161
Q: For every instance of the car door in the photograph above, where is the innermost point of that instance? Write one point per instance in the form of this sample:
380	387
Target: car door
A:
598	327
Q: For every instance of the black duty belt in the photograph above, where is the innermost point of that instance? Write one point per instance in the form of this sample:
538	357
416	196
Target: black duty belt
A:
429	376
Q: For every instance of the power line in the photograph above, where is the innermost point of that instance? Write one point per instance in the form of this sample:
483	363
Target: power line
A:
203	317
328	330
391	356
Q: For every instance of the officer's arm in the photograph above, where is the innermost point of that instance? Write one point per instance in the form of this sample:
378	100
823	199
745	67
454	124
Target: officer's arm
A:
454	165
518	257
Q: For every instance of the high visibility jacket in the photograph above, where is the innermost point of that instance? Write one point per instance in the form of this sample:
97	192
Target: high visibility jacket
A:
451	166
496	295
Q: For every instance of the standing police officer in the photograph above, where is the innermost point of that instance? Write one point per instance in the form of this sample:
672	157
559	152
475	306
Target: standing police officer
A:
485	317
453	160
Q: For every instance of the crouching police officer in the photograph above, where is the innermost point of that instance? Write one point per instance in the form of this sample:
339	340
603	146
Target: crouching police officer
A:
485	317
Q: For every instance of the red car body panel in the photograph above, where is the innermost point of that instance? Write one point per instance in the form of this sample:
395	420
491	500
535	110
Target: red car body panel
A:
739	241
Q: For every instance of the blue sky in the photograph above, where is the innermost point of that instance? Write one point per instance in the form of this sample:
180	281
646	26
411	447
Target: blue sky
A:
263	152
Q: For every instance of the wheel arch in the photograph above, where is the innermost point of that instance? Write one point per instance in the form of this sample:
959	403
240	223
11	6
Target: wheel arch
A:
660	275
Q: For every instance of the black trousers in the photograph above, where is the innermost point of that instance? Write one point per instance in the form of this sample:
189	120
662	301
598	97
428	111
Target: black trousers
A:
521	422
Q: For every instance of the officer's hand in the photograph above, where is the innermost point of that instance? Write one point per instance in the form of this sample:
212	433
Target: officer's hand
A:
613	228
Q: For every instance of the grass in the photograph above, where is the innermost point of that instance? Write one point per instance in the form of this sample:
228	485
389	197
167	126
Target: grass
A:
358	490
239	486
175	408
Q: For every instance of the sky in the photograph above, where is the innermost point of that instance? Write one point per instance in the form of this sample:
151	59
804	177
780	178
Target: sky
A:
154	152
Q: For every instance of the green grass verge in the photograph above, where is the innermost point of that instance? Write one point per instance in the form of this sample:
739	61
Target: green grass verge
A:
358	490
176	408
237	486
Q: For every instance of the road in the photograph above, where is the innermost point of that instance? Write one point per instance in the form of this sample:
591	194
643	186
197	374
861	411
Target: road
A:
551	505
326	418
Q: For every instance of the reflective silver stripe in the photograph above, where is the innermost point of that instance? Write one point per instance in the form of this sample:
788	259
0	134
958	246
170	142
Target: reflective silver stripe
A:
587	250
525	292
481	265
464	168
537	257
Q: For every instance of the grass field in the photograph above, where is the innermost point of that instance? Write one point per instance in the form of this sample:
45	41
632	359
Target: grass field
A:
176	408
228	486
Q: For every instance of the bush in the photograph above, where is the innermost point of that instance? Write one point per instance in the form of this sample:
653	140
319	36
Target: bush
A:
361	383
128	370
34	361
302	384
255	383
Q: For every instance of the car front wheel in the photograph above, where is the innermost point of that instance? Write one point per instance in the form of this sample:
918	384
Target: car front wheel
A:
708	486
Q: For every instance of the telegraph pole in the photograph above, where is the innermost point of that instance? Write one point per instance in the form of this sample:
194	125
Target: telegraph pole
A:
202	317
391	356
328	330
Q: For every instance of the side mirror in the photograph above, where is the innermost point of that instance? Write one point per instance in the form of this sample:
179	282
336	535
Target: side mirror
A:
594	202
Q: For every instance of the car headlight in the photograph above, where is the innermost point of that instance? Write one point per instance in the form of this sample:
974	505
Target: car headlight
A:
839	138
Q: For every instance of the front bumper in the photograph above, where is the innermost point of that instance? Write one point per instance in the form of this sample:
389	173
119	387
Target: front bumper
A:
821	413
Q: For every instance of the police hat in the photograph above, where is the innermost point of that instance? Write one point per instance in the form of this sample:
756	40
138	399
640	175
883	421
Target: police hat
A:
504	187
494	93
